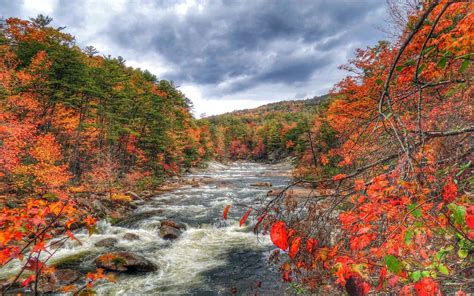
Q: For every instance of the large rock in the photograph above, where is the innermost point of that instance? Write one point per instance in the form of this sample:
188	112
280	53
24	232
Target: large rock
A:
169	233
55	281
262	184
174	224
125	262
106	242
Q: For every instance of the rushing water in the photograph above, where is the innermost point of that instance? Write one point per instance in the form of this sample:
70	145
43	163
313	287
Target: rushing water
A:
212	256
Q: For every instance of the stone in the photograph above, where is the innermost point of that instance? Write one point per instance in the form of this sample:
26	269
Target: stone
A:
169	233
133	195
147	193
99	207
125	262
106	242
262	184
131	236
55	281
174	224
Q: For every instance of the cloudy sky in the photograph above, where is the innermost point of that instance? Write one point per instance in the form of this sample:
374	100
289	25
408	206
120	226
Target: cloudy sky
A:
223	54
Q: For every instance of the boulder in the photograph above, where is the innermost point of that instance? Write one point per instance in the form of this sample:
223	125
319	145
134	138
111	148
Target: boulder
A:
169	233
55	281
106	242
125	262
131	236
262	184
133	195
174	224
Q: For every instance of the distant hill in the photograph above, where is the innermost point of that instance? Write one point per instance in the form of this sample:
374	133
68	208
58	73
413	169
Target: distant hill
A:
269	132
288	106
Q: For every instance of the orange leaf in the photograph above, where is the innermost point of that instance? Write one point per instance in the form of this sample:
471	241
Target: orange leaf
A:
339	177
226	211
245	217
70	288
279	236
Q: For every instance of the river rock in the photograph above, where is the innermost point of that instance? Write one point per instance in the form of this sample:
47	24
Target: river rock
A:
174	224
273	192
125	262
133	195
99	207
147	193
131	236
169	233
53	282
262	184
106	242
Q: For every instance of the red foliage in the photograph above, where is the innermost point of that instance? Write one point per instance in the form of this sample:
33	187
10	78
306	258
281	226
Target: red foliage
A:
279	235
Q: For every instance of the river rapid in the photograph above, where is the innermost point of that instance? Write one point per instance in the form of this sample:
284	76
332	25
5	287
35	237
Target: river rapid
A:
212	257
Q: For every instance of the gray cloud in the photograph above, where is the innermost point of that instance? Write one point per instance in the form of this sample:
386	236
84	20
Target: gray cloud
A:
258	49
10	8
260	40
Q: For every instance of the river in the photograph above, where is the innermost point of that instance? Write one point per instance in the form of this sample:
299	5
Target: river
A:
212	256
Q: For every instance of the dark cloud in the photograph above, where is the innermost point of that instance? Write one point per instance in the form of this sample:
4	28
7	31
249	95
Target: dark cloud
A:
262	49
261	41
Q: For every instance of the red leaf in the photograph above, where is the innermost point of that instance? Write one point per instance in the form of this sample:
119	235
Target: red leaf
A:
470	217
450	190
311	244
279	236
295	246
33	264
30	279
244	218
427	287
260	219
286	276
226	210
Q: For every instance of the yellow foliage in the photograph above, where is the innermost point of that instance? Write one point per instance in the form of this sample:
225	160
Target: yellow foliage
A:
121	197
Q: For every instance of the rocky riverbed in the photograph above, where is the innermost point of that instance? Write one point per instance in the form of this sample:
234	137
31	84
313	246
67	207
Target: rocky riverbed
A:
177	242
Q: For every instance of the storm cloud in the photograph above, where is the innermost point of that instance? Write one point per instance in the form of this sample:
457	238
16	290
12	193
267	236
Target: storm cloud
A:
257	51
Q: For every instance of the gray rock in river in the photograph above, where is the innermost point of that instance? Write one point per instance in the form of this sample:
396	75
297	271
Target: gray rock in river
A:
131	236
106	242
169	233
174	224
125	262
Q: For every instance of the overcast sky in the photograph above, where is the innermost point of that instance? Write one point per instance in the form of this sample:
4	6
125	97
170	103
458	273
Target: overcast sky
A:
224	55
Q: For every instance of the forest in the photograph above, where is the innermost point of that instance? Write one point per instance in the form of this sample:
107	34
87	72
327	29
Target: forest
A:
386	157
